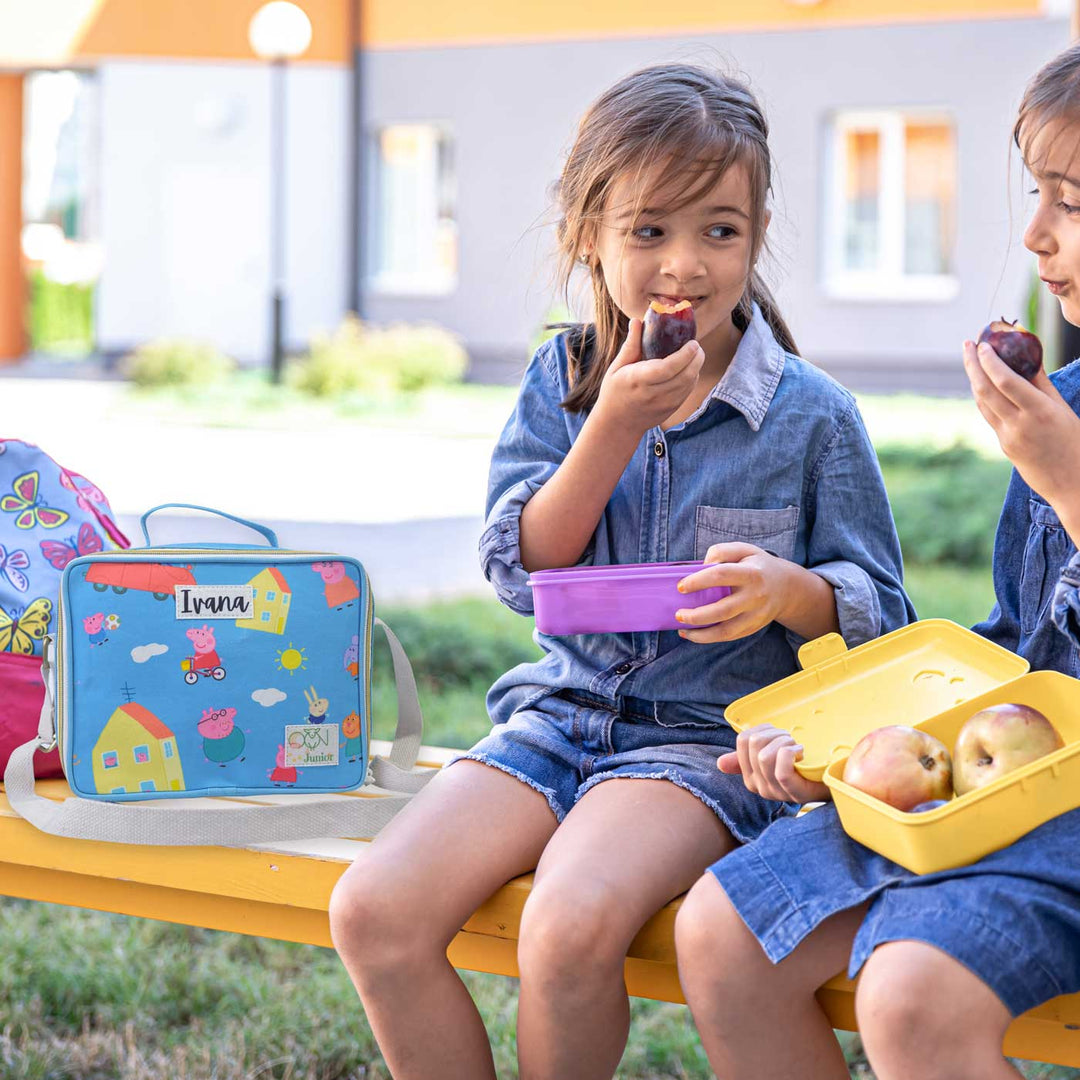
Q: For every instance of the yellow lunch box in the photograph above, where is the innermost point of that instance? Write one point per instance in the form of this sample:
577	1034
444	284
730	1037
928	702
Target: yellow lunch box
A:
931	675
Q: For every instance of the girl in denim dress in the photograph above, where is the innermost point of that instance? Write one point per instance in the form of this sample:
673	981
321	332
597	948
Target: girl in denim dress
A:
731	450
947	959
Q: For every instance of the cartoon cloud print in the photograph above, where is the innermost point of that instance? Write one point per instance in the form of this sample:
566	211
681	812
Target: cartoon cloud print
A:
268	696
141	653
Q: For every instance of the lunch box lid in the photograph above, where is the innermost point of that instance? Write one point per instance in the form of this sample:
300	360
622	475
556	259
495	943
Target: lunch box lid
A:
576	575
904	677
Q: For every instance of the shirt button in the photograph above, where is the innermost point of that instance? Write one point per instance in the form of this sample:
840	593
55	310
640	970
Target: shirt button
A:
658	449
622	669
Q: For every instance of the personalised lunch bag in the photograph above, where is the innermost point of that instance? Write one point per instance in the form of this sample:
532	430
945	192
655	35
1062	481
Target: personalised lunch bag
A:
186	671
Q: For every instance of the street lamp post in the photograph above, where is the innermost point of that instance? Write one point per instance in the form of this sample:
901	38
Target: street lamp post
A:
279	31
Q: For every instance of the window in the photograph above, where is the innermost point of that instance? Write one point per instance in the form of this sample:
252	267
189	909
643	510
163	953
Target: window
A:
284	599
265	616
413	211
147	785
110	759
142	755
270	594
168	748
891	206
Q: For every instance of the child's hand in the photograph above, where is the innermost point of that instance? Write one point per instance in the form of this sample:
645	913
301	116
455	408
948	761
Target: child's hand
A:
759	585
766	756
644	393
1035	426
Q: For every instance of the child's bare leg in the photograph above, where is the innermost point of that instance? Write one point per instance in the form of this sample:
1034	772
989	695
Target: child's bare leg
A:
758	1019
397	908
627	848
924	1014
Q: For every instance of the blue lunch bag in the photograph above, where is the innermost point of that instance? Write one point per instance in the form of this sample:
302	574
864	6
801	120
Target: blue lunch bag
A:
186	671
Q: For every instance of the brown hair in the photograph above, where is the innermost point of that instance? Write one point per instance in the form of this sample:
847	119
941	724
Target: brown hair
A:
1054	92
701	120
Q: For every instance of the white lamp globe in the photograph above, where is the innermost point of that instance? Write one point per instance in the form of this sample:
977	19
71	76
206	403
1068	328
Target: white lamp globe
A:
279	31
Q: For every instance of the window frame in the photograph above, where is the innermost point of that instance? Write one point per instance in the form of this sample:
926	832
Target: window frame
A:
888	281
388	285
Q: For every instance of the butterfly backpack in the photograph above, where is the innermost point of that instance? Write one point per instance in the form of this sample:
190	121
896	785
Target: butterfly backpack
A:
48	516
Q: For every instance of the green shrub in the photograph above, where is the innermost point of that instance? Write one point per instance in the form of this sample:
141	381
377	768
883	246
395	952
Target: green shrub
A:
61	315
946	502
378	361
177	362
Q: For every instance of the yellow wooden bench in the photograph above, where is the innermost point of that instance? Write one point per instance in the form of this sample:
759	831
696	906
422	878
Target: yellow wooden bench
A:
283	893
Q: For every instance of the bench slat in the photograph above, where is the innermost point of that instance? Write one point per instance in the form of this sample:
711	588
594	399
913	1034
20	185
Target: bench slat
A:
283	893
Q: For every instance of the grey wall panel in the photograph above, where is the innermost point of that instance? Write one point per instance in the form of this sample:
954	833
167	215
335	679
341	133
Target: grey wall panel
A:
513	109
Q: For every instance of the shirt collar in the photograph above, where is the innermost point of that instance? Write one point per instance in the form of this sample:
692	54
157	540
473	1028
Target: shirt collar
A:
754	372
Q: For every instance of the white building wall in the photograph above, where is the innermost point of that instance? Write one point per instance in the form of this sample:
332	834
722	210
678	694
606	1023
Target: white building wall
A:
185	183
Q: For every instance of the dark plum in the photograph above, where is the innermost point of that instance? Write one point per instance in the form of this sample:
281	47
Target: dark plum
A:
668	327
1017	346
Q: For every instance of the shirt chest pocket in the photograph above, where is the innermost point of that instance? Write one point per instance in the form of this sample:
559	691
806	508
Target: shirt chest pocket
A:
1048	549
772	530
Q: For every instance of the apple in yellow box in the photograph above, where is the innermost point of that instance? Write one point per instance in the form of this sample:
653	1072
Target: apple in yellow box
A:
901	766
997	740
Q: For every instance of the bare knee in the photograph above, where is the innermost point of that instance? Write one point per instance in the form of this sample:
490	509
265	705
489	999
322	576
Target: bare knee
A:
921	1013
570	931
716	952
372	921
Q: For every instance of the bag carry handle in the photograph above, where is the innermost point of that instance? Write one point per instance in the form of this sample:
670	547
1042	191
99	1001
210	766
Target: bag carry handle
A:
232	826
268	533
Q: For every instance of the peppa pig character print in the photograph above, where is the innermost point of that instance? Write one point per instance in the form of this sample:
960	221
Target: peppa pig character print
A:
206	661
340	589
317	707
223	741
281	774
351	659
94	625
354	745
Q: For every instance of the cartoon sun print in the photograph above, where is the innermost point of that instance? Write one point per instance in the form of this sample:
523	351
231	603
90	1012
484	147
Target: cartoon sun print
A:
291	659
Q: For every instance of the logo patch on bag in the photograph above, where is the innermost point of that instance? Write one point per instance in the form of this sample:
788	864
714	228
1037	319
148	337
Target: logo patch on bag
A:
214	601
308	745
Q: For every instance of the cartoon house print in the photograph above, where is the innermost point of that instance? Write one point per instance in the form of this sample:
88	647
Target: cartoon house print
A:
136	752
272	597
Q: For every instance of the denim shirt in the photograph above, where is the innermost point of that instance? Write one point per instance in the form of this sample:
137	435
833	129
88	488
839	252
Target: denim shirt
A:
776	456
1037	571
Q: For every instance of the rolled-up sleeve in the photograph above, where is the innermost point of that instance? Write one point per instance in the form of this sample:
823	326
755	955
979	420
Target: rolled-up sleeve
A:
852	541
1066	603
533	444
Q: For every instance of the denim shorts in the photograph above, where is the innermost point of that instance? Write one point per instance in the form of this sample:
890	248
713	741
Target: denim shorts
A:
570	741
1012	918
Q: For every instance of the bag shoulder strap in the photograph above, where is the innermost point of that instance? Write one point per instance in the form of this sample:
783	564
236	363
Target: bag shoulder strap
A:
232	826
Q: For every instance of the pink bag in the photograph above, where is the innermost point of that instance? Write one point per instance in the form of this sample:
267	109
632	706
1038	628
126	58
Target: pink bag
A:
48	516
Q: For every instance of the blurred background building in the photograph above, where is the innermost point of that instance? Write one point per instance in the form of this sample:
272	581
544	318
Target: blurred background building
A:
135	167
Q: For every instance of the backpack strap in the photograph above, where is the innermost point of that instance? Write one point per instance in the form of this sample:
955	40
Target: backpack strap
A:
230	826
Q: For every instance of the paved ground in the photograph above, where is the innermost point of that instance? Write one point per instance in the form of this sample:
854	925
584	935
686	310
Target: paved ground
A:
409	506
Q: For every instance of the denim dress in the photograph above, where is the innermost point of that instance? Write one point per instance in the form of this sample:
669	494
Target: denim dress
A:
775	456
1013	917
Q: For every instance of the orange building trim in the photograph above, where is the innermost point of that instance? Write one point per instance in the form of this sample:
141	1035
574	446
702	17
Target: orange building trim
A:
214	30
202	30
12	279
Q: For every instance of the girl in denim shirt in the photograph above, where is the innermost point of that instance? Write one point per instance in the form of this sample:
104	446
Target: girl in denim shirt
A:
730	450
947	959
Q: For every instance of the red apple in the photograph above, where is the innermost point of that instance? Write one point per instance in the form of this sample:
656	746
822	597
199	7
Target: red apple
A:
997	740
668	327
1018	347
901	766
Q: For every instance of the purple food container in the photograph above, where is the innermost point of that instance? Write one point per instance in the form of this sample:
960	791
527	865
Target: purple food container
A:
621	599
